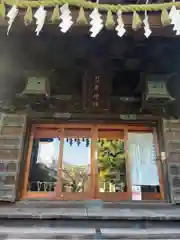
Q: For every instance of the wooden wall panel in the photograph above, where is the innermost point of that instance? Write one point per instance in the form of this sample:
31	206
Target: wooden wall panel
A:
12	131
171	130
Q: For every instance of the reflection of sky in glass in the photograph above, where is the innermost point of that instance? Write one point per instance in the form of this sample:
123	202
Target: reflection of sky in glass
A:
48	153
75	155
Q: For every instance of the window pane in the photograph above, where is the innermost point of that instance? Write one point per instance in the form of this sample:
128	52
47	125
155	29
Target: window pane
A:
142	153
76	165
111	165
44	164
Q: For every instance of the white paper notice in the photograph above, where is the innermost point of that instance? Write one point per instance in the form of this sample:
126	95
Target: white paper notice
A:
136	193
143	158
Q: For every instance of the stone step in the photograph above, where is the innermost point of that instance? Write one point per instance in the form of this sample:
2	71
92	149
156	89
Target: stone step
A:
90	213
87	233
89	223
88	204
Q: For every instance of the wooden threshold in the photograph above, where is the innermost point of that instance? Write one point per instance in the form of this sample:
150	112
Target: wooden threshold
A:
106	197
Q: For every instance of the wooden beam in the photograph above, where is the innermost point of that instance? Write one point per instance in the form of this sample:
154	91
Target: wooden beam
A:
78	117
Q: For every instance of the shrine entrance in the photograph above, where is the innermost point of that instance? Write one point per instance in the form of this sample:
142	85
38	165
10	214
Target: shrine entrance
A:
92	161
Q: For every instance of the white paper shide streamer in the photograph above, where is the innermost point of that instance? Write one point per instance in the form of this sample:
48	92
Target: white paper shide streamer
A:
66	18
147	30
174	16
96	22
40	16
13	12
120	27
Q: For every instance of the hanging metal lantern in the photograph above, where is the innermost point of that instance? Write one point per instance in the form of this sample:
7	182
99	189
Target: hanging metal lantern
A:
78	142
87	142
37	86
71	142
156	94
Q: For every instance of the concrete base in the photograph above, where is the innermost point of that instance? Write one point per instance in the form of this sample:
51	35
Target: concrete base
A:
168	212
87	233
48	220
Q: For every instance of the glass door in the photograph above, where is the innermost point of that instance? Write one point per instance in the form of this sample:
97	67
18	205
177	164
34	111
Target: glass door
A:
144	169
111	160
75	165
86	161
59	163
42	162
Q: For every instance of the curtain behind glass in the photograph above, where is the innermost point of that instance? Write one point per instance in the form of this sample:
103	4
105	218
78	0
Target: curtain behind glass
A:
142	155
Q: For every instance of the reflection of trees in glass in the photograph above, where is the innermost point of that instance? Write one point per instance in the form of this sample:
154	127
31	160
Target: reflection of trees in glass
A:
111	161
75	171
74	178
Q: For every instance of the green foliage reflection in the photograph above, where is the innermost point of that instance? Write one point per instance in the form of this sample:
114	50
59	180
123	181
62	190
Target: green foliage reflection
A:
111	163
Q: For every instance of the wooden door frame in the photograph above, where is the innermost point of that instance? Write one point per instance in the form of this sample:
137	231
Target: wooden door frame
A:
94	191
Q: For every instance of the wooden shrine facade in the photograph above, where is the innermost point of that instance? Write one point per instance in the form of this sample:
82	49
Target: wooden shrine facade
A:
92	106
